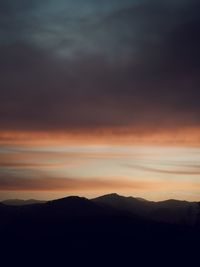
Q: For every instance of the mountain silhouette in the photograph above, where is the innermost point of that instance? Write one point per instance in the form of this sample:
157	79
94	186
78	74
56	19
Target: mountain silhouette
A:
20	202
110	228
169	211
133	205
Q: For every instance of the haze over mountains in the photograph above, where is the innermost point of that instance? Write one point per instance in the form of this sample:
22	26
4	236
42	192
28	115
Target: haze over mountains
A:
21	202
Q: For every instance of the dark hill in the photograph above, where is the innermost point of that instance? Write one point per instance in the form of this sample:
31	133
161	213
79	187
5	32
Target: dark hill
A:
76	231
169	211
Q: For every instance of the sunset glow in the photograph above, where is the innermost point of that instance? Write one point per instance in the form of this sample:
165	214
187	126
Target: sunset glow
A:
51	168
99	97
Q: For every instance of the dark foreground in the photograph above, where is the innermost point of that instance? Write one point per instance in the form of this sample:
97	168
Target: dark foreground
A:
79	232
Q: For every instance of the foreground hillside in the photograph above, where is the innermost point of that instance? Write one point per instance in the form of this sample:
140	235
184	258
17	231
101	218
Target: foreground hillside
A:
111	227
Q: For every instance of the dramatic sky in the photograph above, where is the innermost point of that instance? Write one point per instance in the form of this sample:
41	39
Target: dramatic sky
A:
100	96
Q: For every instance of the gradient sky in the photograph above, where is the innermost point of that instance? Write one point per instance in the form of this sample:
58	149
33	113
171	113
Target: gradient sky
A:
98	97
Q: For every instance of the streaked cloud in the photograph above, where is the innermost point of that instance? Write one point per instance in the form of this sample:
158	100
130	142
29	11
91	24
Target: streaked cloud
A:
176	136
181	170
148	171
68	184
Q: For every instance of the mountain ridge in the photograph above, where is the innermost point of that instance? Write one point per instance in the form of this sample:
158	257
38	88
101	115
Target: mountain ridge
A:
105	195
168	211
72	227
21	202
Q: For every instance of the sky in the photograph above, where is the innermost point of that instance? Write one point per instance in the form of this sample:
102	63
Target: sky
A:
99	97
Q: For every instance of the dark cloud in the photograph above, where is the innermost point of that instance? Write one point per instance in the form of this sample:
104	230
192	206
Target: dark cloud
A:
131	64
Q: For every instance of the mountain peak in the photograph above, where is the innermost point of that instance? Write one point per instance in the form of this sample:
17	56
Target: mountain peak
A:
117	197
111	195
69	199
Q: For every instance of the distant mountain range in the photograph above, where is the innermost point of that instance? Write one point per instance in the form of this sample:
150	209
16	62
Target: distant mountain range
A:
123	229
169	211
20	202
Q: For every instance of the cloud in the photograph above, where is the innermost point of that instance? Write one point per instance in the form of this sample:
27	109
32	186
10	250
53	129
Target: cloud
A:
95	185
12	183
182	170
130	64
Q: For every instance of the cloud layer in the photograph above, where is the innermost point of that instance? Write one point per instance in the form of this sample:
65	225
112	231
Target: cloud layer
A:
69	64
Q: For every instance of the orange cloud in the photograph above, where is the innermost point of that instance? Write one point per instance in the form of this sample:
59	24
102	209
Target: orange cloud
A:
120	135
12	183
64	184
